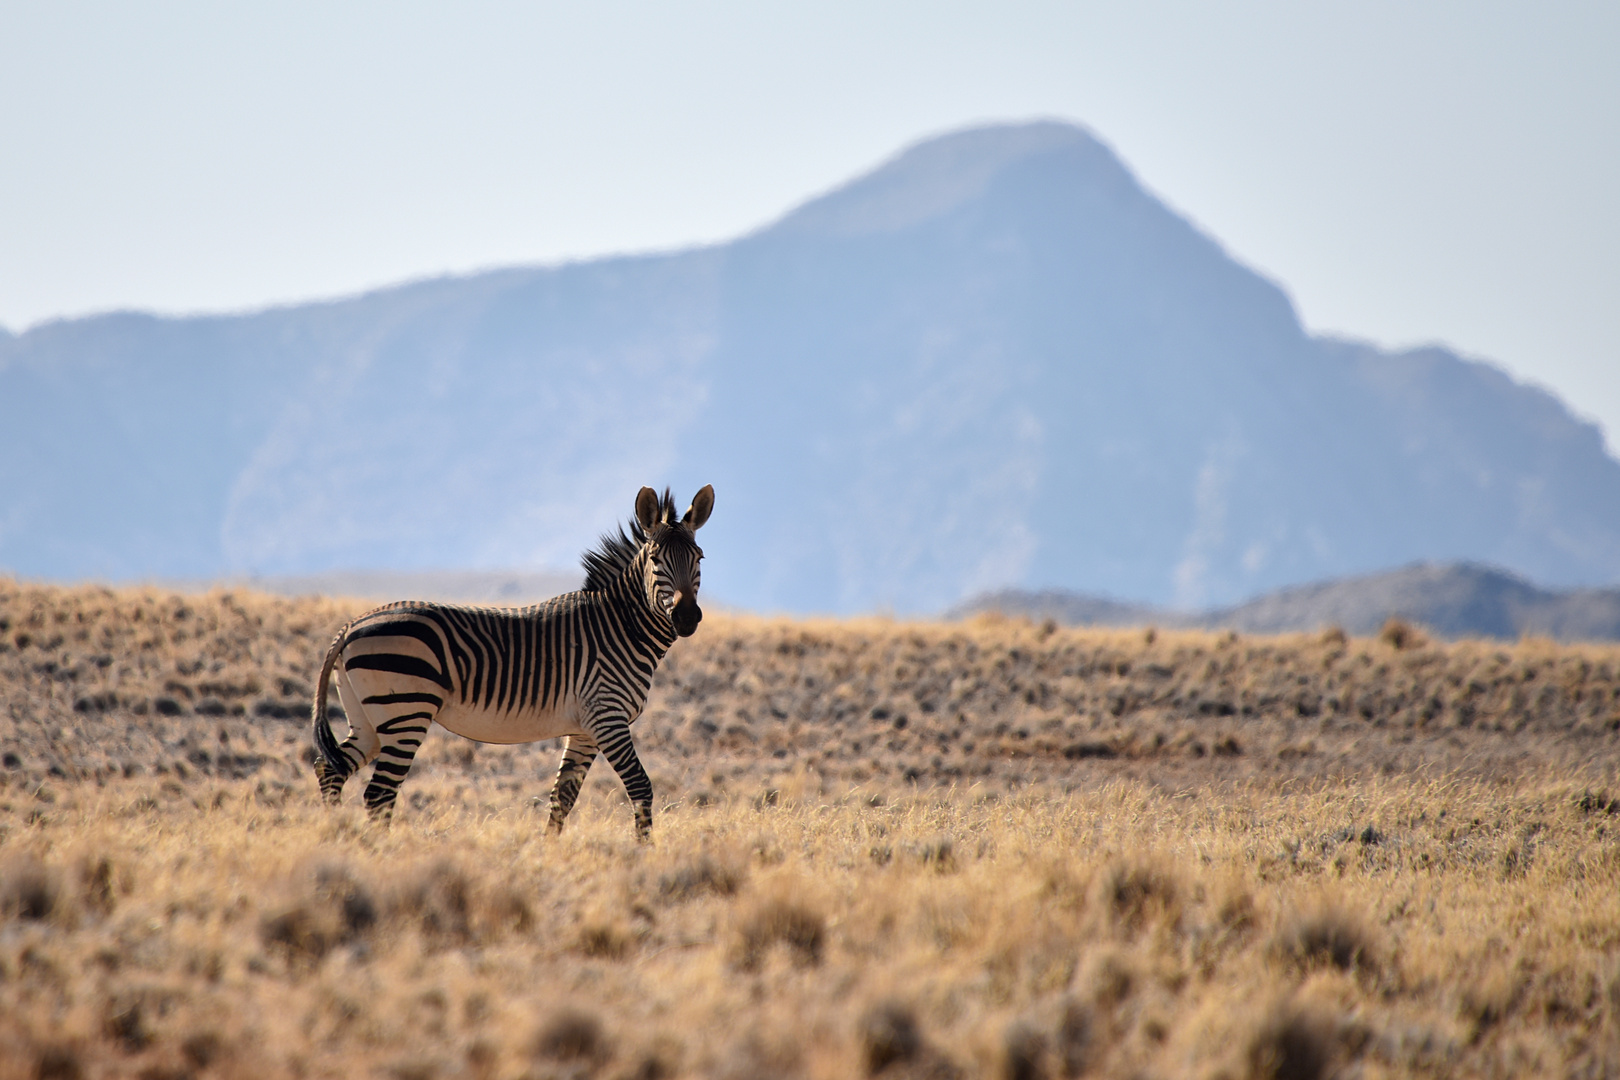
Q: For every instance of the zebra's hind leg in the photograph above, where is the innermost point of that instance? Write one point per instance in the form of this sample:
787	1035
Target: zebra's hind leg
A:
401	738
330	780
578	753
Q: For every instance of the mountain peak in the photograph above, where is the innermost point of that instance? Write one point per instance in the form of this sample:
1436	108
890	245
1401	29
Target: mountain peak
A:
937	175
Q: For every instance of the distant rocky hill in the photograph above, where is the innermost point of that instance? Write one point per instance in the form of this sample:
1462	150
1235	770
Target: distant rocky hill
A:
995	361
502	588
1458	600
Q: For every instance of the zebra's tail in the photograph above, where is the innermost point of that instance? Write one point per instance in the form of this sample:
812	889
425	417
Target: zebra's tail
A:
332	763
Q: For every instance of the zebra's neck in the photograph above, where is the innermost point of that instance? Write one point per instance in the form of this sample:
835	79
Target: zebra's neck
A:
629	594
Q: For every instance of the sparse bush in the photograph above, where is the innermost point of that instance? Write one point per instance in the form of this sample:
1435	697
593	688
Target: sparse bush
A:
28	888
1399	634
1328	936
571	1035
438	900
939	854
332	907
1024	1052
1137	895
1110	978
1075	1038
784	919
703	875
888	1034
604	932
1290	1043
61	1061
1485	1002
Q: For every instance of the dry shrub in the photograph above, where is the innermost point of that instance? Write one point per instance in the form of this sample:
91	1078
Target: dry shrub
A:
29	889
1138	895
127	1017
438	900
1075	1038
1486	1001
57	1059
334	907
1328	936
780	916
1024	1052
482	1058
703	875
1235	911
761	1053
98	883
571	1035
604	932
938	853
1110	978
660	1060
1291	1042
63	1061
892	1045
203	1048
1399	634
450	907
888	1033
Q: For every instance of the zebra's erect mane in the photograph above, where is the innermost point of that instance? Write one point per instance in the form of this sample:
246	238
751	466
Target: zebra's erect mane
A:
615	552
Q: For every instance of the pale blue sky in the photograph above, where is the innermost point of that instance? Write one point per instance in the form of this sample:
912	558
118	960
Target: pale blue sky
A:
1409	172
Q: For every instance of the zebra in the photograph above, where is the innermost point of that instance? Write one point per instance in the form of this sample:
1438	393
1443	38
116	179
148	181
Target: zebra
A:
577	666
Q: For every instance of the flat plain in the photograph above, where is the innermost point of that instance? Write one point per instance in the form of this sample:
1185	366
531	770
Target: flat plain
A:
991	848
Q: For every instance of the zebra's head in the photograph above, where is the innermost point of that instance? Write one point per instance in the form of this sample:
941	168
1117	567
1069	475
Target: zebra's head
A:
673	575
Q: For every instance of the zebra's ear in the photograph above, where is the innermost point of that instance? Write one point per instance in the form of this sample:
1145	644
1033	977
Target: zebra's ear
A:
647	508
702	506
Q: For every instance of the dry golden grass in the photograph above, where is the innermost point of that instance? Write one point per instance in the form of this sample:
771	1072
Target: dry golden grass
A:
1383	861
1397	926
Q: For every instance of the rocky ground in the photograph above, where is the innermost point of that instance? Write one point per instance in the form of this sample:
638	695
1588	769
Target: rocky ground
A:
98	684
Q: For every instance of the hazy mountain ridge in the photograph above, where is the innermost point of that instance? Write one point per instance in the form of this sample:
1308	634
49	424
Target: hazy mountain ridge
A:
994	361
1457	600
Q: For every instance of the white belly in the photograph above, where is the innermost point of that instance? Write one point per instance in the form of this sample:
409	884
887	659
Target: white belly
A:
529	725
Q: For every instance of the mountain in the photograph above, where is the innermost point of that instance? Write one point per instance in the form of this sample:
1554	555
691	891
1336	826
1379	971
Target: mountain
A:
501	588
995	361
1453	600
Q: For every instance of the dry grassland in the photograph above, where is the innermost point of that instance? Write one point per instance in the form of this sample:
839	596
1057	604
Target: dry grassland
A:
902	850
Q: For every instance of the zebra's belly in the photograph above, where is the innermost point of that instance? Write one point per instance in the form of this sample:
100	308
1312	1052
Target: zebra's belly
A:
528	725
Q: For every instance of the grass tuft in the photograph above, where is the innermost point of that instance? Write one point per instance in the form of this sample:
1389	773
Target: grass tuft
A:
571	1035
29	889
888	1035
1291	1042
780	918
1327	937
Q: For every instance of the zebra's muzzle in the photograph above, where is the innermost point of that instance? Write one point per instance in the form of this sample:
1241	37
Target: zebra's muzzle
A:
686	616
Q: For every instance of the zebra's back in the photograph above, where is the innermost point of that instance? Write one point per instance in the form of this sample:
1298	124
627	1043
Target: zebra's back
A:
498	675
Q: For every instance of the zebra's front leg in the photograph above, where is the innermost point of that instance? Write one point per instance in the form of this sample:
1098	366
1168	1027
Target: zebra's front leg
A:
612	735
578	753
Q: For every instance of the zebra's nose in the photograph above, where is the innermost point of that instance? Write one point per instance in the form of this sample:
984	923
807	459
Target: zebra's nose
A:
686	616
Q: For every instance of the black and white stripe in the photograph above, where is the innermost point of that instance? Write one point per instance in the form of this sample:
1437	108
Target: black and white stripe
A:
577	666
